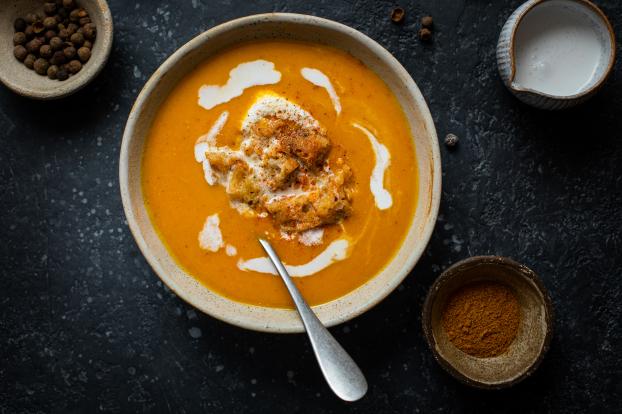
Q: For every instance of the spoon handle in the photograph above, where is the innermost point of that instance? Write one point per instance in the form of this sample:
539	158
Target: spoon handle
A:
340	371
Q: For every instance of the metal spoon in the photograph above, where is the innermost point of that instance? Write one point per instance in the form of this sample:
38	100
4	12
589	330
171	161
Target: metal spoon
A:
340	371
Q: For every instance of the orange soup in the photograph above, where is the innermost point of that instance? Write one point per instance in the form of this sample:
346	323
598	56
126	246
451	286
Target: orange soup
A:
296	142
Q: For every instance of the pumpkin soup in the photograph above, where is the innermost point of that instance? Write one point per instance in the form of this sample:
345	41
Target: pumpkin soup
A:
296	142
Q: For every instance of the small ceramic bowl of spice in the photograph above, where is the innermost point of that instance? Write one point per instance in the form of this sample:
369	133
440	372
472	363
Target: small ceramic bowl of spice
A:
53	48
488	321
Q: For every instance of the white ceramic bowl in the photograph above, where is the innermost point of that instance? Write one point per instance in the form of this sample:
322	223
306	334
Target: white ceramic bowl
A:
281	26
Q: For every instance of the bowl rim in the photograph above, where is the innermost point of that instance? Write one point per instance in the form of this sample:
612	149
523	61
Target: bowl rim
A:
289	18
454	271
105	36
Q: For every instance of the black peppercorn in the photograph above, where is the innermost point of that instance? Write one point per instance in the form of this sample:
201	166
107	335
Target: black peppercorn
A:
69	4
50	23
52	71
63	13
33	46
38	27
425	34
19	25
89	30
56	43
74	66
427	22
30	61
49	35
397	15
49	8
88	44
74	15
46	51
31	18
77	39
64	34
41	66
82	13
20	52
84	53
84	20
451	140
72	28
19	38
62	74
58	58
70	52
29	32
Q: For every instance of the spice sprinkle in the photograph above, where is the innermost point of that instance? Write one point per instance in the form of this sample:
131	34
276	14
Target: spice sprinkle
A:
482	318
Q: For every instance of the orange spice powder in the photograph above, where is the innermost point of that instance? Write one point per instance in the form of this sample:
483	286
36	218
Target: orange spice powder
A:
482	318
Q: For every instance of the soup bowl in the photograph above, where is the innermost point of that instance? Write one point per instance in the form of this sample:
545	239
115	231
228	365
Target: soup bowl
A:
290	27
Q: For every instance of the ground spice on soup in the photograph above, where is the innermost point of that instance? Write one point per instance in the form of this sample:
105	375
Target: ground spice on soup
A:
482	318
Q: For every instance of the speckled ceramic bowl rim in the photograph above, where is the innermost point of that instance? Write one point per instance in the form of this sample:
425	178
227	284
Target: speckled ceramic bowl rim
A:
605	74
419	244
455	269
77	82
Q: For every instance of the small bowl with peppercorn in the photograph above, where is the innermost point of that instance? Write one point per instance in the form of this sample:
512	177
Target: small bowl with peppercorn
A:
488	321
53	48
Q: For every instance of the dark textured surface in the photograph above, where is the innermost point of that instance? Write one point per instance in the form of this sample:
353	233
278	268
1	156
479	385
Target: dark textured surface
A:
86	326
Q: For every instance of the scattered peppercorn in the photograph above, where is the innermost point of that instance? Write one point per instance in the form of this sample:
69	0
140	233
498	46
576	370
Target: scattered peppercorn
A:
451	140
56	43
30	61
20	52
19	38
425	34
41	66
397	15
84	53
427	22
52	71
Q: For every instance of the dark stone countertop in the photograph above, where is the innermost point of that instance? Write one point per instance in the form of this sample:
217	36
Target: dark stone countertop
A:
86	326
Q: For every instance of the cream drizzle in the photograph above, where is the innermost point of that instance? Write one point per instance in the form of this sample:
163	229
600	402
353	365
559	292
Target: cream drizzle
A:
210	237
336	251
204	142
382	197
243	76
318	78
